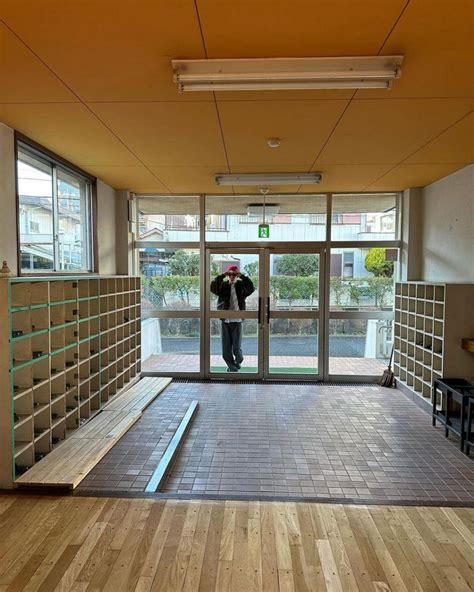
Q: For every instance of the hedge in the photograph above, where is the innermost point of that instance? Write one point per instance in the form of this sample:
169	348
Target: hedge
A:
177	291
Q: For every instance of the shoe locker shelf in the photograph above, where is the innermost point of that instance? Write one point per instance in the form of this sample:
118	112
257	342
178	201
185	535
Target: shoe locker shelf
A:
430	321
68	345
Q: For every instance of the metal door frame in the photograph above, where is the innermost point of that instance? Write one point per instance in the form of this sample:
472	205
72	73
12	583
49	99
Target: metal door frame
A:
246	314
263	314
318	314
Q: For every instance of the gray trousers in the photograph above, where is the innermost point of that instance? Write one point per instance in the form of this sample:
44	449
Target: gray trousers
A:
232	344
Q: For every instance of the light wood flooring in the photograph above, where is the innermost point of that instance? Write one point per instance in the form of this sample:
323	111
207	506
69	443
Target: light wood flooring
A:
76	544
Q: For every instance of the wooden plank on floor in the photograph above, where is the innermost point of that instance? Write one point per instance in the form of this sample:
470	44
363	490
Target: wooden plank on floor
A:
140	395
172	449
72	460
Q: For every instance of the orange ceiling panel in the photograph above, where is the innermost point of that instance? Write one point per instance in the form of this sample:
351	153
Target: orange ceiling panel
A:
23	78
61	60
109	50
302	126
348	177
300	28
125	177
70	130
437	40
413	175
191	179
455	145
387	132
167	134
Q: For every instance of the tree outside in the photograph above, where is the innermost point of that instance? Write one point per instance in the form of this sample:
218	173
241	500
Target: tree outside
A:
298	264
376	263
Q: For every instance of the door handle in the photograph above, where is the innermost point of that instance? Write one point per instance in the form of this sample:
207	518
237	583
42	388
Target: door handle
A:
268	310
259	310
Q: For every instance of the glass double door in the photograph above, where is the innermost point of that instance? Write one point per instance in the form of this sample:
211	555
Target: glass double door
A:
279	332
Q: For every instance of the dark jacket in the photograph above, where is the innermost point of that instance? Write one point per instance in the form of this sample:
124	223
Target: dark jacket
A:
221	289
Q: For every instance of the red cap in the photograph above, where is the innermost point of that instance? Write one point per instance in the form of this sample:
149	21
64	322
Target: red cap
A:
233	268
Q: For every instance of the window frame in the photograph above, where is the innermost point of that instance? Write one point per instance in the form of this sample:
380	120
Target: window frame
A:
327	246
57	163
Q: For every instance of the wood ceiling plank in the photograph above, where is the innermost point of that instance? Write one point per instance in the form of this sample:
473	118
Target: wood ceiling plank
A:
386	132
303	127
191	179
138	178
167	134
23	78
437	41
301	28
348	177
413	175
109	50
455	145
70	130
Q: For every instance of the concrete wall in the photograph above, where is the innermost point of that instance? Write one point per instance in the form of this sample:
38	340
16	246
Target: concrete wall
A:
106	229
447	236
8	236
124	245
411	231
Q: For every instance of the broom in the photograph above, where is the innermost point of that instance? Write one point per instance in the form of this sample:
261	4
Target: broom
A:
388	379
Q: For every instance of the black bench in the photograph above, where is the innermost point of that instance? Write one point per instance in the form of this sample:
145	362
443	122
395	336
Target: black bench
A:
460	391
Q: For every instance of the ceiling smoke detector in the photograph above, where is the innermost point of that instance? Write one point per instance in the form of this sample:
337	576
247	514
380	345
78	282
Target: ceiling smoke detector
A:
274	142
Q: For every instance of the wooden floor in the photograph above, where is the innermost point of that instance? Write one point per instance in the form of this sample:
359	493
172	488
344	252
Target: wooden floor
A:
74	544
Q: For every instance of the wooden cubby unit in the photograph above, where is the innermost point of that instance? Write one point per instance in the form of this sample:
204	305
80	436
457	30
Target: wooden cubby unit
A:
430	322
67	345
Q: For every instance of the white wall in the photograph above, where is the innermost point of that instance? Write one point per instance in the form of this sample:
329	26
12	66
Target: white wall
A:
447	239
106	229
8	237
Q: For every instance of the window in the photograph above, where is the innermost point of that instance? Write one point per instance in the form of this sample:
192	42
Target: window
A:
291	217
348	270
362	217
54	215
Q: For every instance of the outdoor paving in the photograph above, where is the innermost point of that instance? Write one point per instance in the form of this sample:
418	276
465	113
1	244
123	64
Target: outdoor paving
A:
254	440
180	362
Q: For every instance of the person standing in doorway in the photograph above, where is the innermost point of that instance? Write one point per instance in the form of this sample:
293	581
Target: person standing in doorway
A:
232	288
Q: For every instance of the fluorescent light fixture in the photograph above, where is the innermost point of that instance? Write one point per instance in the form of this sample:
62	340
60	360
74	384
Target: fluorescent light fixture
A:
262	180
286	73
271	209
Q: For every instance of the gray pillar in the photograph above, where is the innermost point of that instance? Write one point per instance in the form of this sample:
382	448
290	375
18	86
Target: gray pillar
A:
411	255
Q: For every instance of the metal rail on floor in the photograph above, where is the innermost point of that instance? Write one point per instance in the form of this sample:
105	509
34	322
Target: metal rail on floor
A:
165	463
270	382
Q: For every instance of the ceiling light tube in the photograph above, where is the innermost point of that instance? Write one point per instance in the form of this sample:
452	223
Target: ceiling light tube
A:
263	179
339	84
287	73
287	76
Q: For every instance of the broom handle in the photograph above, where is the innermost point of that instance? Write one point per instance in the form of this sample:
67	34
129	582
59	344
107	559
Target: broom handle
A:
391	358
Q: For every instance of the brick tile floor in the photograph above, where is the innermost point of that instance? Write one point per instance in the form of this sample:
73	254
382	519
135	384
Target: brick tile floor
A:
349	442
178	362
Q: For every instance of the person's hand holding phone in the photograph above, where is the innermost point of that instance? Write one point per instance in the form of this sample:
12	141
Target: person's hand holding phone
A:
232	275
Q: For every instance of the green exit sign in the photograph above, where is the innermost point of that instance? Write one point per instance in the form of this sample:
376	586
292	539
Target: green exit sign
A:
263	231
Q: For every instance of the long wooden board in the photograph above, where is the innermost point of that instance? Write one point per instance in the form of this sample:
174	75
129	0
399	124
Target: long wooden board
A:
139	398
68	464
